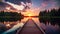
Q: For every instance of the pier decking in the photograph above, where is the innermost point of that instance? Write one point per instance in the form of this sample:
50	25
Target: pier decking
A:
30	28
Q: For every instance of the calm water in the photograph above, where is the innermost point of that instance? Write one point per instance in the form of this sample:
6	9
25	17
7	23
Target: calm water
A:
47	27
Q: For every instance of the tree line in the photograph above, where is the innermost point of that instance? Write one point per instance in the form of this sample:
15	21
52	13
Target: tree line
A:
10	16
52	16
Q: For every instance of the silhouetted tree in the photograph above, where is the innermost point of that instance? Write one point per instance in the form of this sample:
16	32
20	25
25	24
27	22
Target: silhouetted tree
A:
52	16
10	16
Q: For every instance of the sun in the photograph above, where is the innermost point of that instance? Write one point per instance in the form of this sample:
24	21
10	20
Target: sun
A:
29	15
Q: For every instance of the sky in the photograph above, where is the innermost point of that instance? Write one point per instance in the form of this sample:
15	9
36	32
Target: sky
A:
35	5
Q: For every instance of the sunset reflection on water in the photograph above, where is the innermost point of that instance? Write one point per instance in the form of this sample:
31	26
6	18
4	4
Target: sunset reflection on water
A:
48	27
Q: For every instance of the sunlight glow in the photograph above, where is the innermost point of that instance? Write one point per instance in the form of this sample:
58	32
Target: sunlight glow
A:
29	15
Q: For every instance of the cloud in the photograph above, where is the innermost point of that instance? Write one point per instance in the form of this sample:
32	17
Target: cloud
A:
57	2
19	1
3	6
19	4
44	4
18	7
48	4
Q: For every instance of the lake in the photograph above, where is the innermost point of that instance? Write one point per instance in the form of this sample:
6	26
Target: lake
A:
47	27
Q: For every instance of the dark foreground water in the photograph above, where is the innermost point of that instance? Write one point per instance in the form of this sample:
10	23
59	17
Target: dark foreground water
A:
12	27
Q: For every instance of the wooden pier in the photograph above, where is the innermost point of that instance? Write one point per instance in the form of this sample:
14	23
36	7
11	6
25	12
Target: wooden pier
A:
30	27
